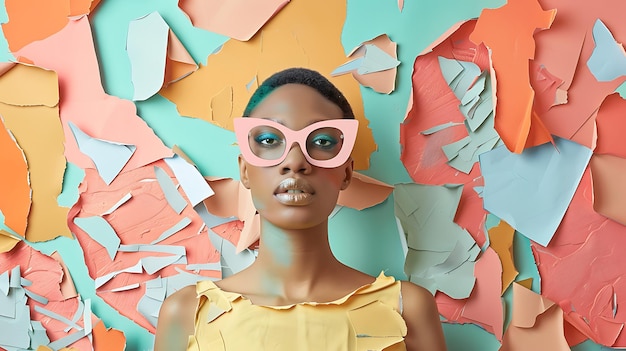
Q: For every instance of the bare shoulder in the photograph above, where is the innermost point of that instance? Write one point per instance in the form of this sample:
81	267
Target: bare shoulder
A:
176	320
421	315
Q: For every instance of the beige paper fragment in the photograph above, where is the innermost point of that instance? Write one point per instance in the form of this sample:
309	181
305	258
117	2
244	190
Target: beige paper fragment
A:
179	63
68	290
364	192
285	41
501	240
7	241
29	105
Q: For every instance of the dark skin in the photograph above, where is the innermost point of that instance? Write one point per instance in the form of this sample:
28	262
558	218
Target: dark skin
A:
295	263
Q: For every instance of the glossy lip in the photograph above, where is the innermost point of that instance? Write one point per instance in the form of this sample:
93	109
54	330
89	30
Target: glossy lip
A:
303	194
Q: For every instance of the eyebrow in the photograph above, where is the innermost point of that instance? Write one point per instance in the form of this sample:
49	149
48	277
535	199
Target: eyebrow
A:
283	124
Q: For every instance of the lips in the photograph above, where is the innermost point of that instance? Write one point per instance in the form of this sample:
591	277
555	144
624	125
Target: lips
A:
294	191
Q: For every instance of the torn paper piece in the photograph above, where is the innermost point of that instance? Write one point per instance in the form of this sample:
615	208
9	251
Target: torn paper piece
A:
373	64
287	41
508	32
21	30
29	108
101	231
473	89
232	261
611	126
193	183
108	157
501	241
485	305
108	339
587	297
608	60
173	230
146	45
536	324
441	255
434	104
364	192
531	191
14	185
68	290
170	190
115	206
84	101
179	62
7	241
609	189
238	19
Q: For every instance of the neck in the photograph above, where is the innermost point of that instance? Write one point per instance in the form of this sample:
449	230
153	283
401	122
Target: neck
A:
293	260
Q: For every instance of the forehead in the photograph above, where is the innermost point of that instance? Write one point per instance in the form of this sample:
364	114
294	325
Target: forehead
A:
296	100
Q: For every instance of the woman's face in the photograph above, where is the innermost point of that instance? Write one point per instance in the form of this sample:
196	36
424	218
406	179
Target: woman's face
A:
295	194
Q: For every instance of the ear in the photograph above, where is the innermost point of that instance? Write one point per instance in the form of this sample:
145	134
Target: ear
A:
348	174
243	172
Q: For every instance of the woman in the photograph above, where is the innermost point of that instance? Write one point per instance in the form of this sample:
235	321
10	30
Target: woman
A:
295	159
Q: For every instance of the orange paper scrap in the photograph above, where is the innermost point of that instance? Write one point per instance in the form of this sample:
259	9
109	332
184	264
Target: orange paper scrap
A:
508	32
501	240
29	99
537	324
107	339
14	185
238	19
218	93
611	126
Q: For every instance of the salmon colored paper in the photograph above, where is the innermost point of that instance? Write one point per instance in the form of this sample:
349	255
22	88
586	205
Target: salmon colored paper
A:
154	240
611	126
217	93
564	50
585	243
239	19
46	302
84	101
433	103
29	98
508	32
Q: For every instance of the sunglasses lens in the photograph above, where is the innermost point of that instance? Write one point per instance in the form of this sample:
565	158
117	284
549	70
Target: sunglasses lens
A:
324	143
266	142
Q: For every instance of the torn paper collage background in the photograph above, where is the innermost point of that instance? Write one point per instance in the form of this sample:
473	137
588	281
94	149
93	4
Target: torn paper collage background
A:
489	160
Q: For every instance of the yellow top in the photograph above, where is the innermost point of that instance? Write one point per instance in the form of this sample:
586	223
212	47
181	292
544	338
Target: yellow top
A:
365	319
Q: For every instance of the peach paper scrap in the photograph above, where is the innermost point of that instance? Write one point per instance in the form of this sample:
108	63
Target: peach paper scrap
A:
238	19
536	324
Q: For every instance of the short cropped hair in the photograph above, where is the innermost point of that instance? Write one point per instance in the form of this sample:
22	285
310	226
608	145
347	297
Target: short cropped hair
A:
302	76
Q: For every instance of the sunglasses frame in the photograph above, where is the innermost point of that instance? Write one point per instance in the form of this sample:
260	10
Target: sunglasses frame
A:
348	127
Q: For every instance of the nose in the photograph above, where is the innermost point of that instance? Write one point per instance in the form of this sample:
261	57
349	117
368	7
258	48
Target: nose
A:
295	161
